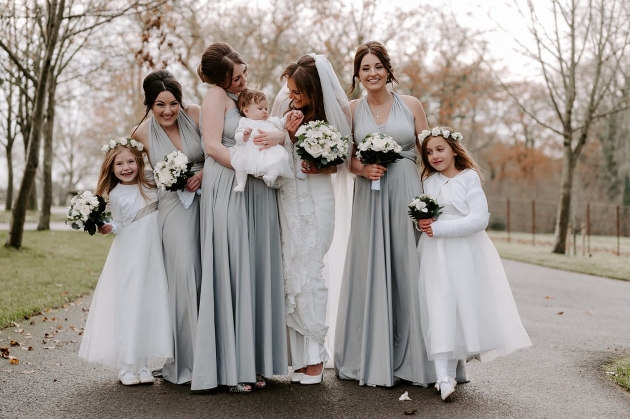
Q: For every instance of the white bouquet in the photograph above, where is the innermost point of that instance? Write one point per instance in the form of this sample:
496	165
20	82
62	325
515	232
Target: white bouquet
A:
321	144
377	148
87	212
424	207
172	172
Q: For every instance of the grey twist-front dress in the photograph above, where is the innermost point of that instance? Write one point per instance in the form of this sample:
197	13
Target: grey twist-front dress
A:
241	326
179	229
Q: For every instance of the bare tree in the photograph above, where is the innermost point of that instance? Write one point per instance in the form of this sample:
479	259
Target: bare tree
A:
580	53
80	17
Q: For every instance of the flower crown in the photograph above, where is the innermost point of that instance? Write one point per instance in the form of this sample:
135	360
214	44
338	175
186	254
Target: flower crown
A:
124	141
436	132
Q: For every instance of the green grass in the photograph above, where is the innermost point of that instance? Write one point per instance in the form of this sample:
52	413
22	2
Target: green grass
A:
52	268
602	260
619	371
32	216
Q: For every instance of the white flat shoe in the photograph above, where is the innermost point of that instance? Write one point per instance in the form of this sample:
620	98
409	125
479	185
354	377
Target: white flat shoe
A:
128	378
296	377
446	387
145	376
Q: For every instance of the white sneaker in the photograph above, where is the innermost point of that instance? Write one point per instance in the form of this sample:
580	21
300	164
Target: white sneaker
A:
145	376
446	387
128	378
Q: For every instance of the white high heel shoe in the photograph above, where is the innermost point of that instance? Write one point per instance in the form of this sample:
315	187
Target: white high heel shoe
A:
312	379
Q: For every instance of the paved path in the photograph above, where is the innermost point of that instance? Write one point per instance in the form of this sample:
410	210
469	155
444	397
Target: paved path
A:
576	322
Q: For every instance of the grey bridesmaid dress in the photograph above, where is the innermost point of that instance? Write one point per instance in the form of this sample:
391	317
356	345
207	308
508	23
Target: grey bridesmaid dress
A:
179	229
241	328
378	335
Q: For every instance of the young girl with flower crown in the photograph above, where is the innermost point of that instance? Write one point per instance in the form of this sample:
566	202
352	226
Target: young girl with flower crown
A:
128	322
466	305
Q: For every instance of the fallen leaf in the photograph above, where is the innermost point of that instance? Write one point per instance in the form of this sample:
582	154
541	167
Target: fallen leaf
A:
4	352
14	361
54	319
561	313
44	319
19	330
60	327
32	323
30	348
50	347
14	324
410	412
404	396
28	372
54	380
57	364
28	336
15	343
549	297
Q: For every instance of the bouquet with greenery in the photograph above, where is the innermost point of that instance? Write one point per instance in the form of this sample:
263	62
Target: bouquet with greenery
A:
377	148
172	172
320	144
87	212
424	207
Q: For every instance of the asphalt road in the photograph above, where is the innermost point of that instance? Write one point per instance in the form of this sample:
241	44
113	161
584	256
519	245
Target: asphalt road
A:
576	322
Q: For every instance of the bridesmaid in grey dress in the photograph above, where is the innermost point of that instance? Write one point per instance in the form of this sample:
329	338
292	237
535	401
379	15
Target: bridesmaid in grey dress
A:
241	335
175	127
378	325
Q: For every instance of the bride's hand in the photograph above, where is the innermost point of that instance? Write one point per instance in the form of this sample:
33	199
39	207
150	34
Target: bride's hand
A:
311	169
266	139
294	120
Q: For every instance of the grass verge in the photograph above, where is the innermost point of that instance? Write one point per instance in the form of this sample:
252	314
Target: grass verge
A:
619	371
52	268
33	216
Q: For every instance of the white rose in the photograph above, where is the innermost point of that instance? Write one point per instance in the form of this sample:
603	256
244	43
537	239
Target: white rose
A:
446	133
140	147
112	143
421	206
180	160
379	145
424	134
397	148
105	148
314	150
435	132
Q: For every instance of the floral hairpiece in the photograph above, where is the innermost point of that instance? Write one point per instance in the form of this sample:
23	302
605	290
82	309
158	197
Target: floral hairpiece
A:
436	132
124	141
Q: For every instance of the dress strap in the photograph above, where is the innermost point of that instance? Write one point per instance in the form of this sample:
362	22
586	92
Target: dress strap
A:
152	207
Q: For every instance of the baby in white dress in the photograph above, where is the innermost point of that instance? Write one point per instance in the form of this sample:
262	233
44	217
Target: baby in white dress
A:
246	157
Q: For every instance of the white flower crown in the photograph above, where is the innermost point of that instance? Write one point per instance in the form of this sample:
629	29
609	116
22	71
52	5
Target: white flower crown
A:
112	144
436	132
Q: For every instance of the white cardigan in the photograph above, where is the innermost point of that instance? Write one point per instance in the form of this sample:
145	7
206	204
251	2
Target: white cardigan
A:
467	197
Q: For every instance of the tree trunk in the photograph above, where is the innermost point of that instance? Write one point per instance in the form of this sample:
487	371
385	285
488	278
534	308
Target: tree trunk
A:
9	198
564	205
44	215
16	232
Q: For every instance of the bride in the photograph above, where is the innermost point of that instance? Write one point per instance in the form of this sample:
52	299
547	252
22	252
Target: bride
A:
308	216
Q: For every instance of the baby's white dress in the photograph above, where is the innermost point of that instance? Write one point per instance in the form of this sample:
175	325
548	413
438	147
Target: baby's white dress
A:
248	157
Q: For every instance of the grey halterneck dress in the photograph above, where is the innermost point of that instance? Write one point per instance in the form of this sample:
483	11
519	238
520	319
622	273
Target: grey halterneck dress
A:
373	341
179	228
241	325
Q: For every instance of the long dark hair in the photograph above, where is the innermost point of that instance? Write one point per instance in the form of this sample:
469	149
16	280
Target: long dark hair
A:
377	49
306	78
155	83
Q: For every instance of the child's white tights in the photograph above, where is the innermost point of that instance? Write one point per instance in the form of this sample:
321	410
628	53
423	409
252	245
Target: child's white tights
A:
444	366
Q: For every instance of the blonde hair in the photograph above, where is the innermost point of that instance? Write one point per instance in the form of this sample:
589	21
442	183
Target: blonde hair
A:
463	159
107	180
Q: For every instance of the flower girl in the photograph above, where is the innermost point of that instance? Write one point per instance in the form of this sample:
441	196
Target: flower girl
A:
466	305
245	156
129	320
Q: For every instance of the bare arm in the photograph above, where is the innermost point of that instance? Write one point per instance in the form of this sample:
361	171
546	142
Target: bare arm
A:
419	117
213	109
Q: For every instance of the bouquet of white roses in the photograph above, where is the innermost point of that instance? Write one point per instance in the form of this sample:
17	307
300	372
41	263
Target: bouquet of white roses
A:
424	207
172	172
377	148
321	144
87	212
